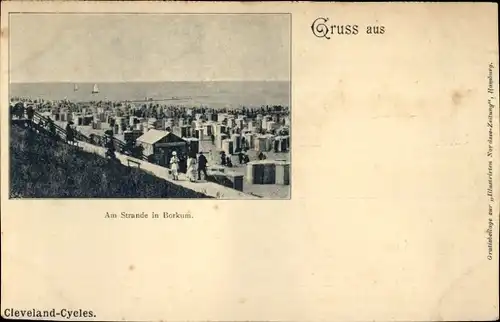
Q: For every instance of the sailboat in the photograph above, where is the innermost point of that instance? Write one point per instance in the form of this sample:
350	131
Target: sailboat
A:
75	88
95	90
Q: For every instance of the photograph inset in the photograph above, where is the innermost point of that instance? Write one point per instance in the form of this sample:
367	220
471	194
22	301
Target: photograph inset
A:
150	106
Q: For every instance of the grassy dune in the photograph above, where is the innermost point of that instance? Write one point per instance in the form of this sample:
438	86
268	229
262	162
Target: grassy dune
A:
43	168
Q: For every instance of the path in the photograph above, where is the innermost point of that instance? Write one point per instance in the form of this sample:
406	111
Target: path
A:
208	188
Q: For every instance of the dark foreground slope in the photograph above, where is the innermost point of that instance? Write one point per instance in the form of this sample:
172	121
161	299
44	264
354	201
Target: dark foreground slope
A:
42	168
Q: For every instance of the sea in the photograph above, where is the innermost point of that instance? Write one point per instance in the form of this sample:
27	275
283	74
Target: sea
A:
217	94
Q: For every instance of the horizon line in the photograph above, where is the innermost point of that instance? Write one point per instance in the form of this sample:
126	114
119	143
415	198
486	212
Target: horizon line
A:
149	81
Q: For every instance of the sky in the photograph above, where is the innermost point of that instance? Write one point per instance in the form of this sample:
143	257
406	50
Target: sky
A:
148	47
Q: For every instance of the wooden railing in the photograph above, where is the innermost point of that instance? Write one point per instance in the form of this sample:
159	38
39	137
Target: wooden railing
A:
60	132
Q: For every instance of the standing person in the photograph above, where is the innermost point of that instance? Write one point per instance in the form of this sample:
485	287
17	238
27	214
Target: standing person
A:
70	137
223	158
240	157
30	112
182	163
110	152
212	138
51	126
19	110
229	163
191	167
202	166
174	165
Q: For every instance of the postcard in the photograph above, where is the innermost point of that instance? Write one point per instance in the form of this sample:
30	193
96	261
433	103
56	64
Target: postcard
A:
263	161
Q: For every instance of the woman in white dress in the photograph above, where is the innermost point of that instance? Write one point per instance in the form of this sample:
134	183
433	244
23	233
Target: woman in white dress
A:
174	166
191	168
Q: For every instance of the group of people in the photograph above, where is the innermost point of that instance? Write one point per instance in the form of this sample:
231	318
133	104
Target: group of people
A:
243	158
19	110
194	166
225	160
